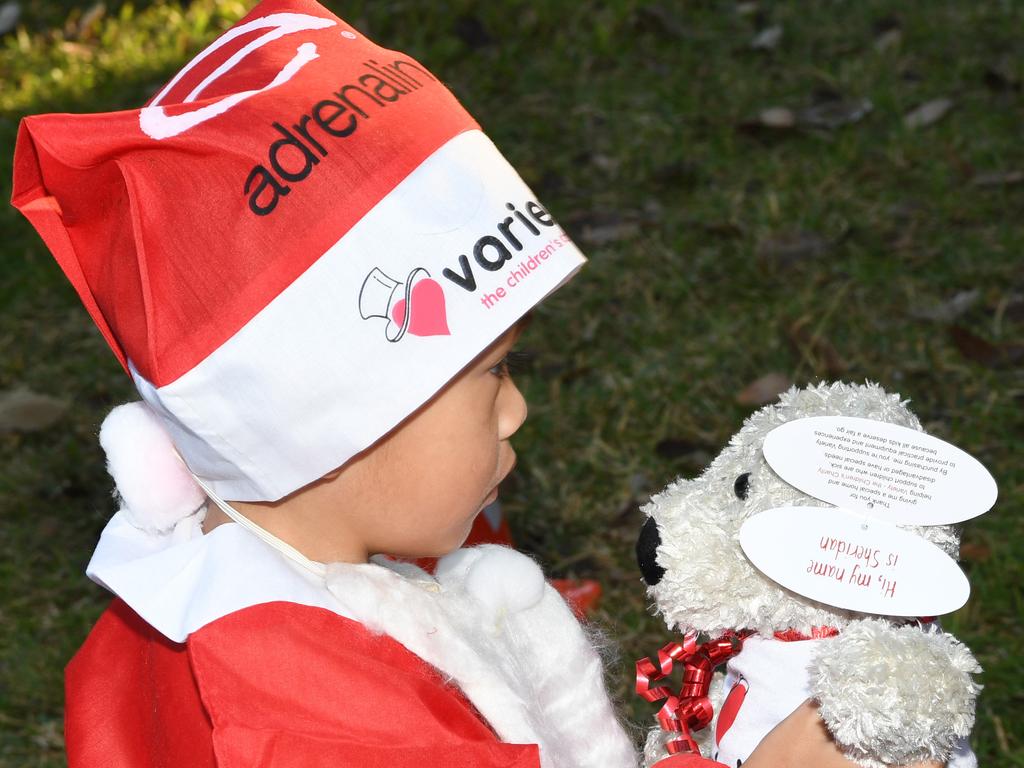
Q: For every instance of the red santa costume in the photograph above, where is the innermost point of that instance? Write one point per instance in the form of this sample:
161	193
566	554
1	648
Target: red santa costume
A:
221	651
298	241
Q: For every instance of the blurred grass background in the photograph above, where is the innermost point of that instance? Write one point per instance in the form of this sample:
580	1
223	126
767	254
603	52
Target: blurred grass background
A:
769	193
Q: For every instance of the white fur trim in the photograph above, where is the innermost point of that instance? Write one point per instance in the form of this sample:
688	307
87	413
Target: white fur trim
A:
523	660
499	578
156	487
564	678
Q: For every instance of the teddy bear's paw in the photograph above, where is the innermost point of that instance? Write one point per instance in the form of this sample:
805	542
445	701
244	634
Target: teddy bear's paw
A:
894	695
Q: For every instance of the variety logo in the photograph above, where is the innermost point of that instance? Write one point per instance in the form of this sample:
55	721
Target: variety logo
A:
416	306
493	251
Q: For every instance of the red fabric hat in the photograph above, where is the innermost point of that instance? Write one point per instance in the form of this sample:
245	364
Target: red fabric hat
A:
293	245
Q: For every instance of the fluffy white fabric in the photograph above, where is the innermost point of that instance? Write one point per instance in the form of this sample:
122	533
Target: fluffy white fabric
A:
860	674
155	486
499	578
519	656
709	585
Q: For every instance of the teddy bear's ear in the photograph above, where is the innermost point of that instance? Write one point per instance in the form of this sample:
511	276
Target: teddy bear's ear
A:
155	485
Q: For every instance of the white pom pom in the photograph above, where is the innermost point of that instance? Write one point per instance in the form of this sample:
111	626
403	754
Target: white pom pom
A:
156	487
500	578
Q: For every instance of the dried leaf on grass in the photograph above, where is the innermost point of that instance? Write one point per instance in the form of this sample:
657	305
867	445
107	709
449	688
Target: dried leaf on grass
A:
997	178
835	113
770	119
982	351
888	32
888	39
786	248
598	227
928	113
950	310
605	163
764	390
601	234
22	410
827	114
767	39
815	348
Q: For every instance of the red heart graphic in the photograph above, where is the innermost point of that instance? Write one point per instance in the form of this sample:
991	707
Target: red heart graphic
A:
429	316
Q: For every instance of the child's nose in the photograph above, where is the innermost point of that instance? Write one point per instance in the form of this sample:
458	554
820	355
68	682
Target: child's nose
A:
513	409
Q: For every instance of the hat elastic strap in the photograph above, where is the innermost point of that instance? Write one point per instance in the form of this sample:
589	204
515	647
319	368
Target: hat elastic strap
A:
286	549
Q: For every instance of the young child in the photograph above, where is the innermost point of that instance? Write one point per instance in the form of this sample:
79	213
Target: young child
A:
296	244
312	264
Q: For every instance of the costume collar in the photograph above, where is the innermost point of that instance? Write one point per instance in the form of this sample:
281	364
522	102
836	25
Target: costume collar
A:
182	580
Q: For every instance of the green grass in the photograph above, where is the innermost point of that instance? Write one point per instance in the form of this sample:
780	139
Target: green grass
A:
627	113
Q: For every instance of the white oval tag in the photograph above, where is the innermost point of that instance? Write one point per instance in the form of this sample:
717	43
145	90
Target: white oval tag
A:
844	559
887	471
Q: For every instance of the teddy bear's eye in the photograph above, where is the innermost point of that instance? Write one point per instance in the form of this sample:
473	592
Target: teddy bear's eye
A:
742	486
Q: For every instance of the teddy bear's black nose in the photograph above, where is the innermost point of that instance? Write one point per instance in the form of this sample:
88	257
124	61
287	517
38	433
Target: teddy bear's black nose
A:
647	552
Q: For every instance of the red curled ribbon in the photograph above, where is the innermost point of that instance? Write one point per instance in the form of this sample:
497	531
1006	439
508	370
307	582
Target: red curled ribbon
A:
690	709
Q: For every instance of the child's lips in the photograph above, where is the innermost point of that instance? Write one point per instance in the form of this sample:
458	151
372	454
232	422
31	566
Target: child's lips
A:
493	495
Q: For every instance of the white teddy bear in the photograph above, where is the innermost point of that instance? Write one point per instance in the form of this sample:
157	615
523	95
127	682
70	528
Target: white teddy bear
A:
891	691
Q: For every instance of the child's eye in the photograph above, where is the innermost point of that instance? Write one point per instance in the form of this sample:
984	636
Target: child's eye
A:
513	362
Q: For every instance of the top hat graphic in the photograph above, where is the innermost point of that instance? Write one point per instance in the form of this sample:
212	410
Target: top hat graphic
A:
382	296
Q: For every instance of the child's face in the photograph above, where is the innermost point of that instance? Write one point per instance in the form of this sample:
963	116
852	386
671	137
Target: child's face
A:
416	492
422	486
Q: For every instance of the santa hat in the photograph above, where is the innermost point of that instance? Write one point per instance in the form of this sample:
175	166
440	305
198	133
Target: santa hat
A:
297	242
